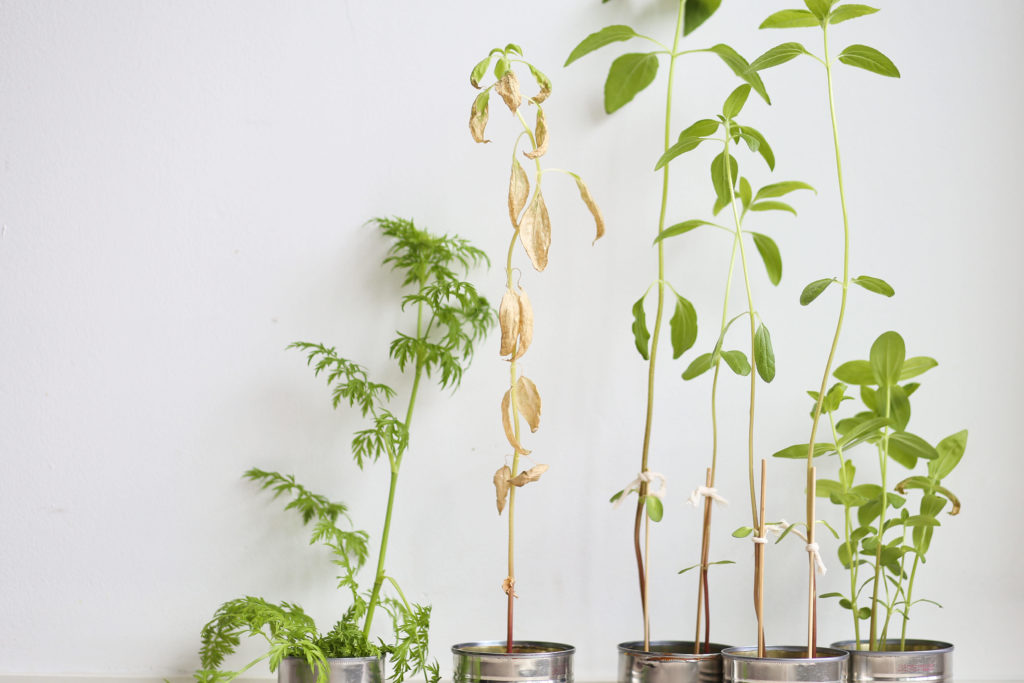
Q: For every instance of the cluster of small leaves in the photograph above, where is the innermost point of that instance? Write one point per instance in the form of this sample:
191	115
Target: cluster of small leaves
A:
346	639
876	541
409	654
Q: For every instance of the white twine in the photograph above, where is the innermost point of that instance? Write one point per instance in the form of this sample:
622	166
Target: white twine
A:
706	492
644	477
759	540
811	548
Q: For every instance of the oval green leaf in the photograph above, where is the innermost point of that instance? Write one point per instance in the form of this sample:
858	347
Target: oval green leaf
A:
773	206
887	355
735	101
699	366
814	289
870	59
737	361
741	68
697	12
597	40
847	12
764	356
791	18
780	54
856	372
655	510
912	367
628	75
782	189
874	284
683	327
769	252
680	229
641	336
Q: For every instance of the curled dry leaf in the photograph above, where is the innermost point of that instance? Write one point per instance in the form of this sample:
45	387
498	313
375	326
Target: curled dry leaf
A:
535	231
518	191
508	87
545	91
525	323
509	586
540	136
594	210
509	317
528	401
478	116
502	481
526	476
506	422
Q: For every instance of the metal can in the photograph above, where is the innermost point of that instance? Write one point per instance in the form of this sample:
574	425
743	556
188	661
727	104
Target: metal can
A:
669	661
783	663
341	670
533	661
919	660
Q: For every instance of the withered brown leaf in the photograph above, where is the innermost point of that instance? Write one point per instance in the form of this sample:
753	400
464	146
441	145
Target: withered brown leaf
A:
528	401
594	210
526	476
535	231
518	191
478	116
506	422
502	481
540	136
509	316
509	587
525	323
508	88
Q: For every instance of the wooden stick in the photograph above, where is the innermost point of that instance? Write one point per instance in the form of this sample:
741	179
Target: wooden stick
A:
702	583
812	635
759	561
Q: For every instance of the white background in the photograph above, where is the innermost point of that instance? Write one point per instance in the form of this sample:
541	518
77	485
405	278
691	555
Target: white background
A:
183	188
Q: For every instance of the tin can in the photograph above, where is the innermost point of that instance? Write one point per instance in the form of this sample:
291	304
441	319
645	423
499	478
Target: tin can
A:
669	661
342	670
533	661
784	663
919	660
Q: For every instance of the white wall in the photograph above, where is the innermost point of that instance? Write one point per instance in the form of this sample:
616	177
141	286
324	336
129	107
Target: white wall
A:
182	192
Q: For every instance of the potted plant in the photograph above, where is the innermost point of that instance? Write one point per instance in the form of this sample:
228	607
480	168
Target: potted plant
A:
885	370
511	659
628	75
450	318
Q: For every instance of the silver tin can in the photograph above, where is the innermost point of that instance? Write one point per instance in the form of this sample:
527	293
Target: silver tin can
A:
343	670
920	660
533	661
669	661
782	664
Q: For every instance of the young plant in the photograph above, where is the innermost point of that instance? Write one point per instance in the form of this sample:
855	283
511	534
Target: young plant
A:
451	317
875	535
628	75
823	14
736	192
531	226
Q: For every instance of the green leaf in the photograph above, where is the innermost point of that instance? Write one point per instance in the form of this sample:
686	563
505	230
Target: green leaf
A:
735	101
773	206
887	354
833	398
847	12
700	129
479	71
819	8
501	67
870	59
856	372
823	488
874	284
683	571
846	475
814	289
899	407
680	229
737	361
742	532
950	450
764	356
683	327
859	433
628	75
770	255
782	189
719	176
640	334
763	148
921	520
616	496
512	47
791	18
912	367
655	509
780	54
905	448
864	613
684	145
699	366
697	12
746	193
741	68
799	451
597	40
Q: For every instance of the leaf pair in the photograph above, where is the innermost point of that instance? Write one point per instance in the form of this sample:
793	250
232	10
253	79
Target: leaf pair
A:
515	317
503	481
523	398
682	326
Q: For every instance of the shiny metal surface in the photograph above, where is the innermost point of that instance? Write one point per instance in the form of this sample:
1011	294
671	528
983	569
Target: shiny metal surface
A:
922	660
347	670
783	664
534	661
669	661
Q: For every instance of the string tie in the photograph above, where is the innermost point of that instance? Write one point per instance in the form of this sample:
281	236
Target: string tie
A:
642	478
706	492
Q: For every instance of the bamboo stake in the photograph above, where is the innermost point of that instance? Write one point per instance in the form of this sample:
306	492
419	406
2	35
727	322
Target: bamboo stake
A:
812	617
759	557
703	600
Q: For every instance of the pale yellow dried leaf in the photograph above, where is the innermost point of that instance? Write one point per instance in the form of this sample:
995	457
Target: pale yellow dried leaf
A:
518	191
545	91
526	476
535	231
509	587
594	210
502	481
540	136
525	323
508	88
506	422
528	401
478	117
508	319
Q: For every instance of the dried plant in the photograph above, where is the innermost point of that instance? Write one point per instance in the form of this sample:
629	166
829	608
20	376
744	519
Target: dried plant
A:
531	226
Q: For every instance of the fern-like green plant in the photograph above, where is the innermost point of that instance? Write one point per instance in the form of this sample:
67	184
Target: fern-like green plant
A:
451	318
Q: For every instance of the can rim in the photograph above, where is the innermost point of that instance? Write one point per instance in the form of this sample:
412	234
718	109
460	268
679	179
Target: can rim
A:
932	647
548	649
831	655
683	649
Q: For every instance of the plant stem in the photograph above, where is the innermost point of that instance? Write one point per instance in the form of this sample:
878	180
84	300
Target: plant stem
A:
883	458
643	557
396	464
847	527
906	607
811	603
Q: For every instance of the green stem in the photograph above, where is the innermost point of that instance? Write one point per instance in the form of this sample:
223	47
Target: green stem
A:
883	461
906	607
847	526
643	557
396	463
